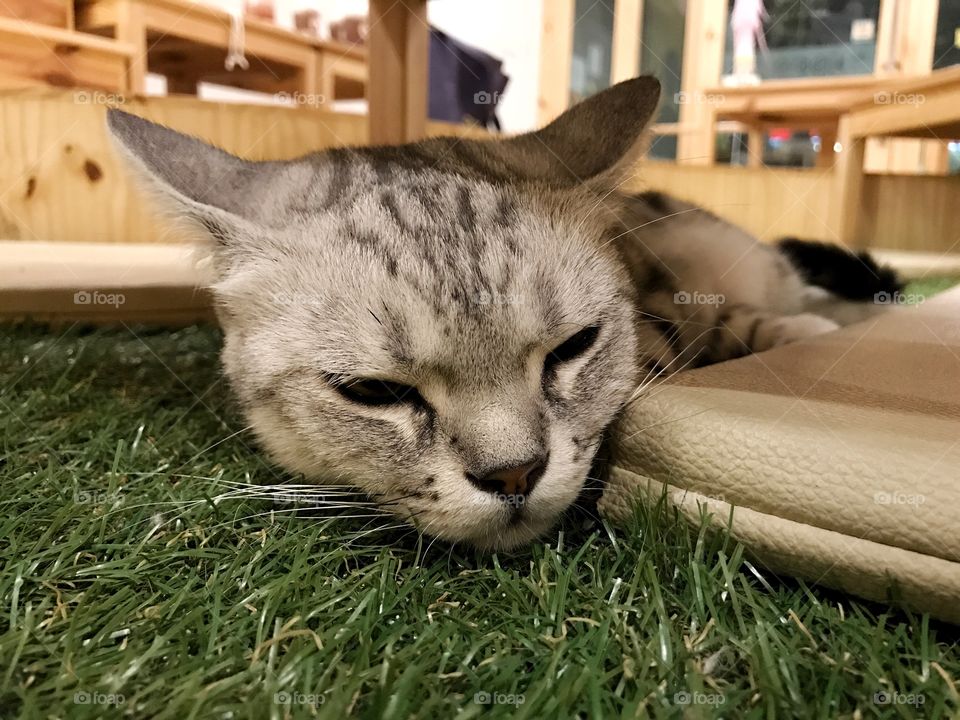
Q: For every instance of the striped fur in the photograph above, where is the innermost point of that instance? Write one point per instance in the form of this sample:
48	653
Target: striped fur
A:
461	270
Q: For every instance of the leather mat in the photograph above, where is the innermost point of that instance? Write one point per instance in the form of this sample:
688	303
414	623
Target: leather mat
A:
840	455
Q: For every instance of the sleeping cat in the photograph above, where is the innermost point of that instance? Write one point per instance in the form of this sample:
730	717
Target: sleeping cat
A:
451	326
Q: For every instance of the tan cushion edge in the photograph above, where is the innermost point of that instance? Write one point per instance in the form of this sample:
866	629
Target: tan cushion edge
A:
861	567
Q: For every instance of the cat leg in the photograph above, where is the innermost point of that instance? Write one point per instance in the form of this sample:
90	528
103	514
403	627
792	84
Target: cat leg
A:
843	311
744	329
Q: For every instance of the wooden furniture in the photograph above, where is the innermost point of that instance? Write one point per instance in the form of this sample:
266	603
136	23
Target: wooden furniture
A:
58	13
905	42
799	104
34	54
927	107
187	42
61	180
399	53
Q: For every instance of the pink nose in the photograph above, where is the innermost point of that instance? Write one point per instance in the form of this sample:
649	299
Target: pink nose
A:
512	480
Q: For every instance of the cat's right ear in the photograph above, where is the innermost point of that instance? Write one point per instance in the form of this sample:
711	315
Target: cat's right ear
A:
596	142
222	194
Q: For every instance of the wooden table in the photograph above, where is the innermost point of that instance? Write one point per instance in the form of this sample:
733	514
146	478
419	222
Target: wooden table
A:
801	104
926	107
187	42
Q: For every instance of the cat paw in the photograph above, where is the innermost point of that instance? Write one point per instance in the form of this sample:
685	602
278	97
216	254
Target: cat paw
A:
791	328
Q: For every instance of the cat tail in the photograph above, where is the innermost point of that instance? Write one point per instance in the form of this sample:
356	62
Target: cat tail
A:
848	274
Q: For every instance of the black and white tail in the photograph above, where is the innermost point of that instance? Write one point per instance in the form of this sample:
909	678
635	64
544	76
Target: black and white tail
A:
847	274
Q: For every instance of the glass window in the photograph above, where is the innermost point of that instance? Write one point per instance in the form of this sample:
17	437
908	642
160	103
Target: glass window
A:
592	45
947	47
790	148
663	147
814	38
661	52
731	149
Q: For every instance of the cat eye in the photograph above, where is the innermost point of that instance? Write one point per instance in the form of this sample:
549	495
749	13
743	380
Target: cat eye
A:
573	347
371	391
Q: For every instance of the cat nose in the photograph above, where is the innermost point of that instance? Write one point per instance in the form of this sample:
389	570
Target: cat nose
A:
512	479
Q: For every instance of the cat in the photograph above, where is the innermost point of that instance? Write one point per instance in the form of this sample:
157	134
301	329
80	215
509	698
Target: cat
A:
451	326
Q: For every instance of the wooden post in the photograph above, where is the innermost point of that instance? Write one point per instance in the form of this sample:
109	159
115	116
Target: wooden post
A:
702	64
905	46
625	53
556	55
755	143
132	29
828	139
399	54
848	180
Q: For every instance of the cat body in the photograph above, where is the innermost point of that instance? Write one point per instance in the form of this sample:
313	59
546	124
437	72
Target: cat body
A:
451	326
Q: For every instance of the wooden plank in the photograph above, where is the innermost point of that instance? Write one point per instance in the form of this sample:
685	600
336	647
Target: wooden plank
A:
556	56
767	202
36	55
625	53
911	213
101	283
893	211
60	179
131	28
58	13
923	107
847	201
905	46
706	22
397	91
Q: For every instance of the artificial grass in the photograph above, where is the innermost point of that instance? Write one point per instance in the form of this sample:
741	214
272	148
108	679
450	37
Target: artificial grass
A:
126	591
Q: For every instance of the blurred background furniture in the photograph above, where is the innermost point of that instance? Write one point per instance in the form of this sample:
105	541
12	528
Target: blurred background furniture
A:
843	130
756	136
39	45
187	42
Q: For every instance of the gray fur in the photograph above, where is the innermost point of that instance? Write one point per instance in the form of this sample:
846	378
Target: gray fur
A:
456	267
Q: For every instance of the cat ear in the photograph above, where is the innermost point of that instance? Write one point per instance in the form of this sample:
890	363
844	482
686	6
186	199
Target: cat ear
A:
597	140
223	193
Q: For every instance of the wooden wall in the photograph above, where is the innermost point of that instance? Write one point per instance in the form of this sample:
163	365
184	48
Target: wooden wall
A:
901	212
769	203
913	212
61	181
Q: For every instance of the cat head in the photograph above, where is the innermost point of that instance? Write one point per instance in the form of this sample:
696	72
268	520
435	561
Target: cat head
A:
445	325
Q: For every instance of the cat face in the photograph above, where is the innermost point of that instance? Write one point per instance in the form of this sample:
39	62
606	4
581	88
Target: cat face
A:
445	326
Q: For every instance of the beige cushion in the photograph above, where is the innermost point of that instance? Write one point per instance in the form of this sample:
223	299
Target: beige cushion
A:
840	455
